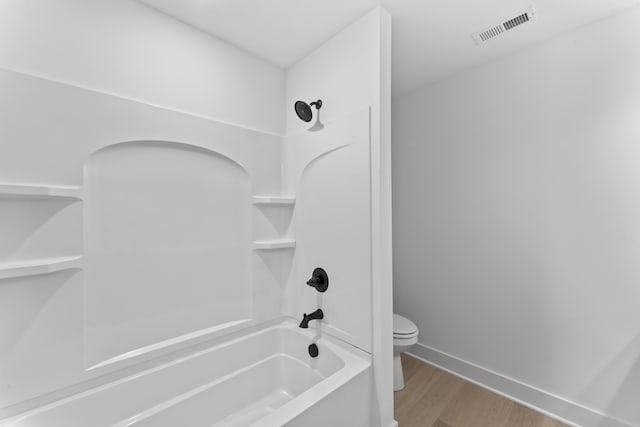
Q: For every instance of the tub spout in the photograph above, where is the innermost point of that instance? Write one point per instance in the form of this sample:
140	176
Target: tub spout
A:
316	315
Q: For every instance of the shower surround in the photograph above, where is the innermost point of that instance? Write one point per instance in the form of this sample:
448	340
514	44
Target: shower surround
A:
262	376
145	244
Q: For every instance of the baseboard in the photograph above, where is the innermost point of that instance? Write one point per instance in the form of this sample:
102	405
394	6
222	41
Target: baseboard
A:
394	424
549	404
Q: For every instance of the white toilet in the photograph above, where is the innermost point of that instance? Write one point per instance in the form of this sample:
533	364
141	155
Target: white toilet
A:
405	335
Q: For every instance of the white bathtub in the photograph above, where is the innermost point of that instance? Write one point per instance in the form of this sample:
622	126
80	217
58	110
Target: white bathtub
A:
263	378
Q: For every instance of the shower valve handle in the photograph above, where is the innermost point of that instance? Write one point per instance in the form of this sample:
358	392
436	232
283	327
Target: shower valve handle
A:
319	280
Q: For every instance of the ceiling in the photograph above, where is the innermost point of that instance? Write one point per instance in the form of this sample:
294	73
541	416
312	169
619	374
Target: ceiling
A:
431	38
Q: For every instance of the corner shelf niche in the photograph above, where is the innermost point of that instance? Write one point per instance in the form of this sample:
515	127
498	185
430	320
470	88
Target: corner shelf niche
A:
32	267
285	203
40	191
274	200
273	244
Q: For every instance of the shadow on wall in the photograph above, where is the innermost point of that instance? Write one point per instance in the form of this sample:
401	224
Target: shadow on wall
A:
277	263
30	314
24	300
274	216
27	227
620	379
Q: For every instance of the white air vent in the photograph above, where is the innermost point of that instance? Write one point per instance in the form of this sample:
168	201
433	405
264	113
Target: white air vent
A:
510	23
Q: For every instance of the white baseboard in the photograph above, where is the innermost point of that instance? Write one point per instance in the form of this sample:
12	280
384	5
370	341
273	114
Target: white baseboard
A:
549	404
394	424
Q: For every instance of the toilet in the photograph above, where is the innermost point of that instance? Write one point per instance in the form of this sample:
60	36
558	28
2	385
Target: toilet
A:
405	335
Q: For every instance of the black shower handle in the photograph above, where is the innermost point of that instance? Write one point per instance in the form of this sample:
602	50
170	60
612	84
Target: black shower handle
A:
319	280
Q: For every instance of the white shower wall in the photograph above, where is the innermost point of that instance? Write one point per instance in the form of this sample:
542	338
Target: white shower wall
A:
329	171
167	235
157	192
116	61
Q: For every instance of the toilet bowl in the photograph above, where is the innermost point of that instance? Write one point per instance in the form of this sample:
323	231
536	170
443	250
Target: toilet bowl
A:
405	335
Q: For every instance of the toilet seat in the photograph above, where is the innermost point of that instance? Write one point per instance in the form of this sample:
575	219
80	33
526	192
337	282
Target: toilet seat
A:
403	328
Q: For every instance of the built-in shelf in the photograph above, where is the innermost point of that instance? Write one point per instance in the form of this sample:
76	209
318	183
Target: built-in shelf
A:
273	244
282	201
40	191
274	200
38	266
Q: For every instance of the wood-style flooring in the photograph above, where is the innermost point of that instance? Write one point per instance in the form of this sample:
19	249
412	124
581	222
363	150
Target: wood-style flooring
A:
434	398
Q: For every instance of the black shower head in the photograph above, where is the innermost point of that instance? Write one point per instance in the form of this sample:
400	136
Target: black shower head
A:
303	110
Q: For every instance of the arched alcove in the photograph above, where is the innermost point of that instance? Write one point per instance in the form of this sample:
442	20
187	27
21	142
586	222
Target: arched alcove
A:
167	234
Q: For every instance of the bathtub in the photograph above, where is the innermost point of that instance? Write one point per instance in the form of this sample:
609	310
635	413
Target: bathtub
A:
264	377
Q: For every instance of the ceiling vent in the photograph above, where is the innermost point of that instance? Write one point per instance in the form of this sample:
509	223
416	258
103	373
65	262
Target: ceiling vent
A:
510	23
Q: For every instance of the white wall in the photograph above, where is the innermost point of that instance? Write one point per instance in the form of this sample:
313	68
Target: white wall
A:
127	49
330	175
80	75
351	72
90	74
517	218
56	328
344	72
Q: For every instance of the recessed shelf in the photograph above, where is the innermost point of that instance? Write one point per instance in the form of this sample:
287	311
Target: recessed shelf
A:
40	191
274	200
273	244
38	266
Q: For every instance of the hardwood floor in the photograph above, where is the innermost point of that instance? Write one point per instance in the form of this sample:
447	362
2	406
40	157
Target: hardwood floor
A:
434	398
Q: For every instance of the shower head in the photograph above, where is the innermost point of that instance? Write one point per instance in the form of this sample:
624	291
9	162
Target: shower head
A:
304	112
